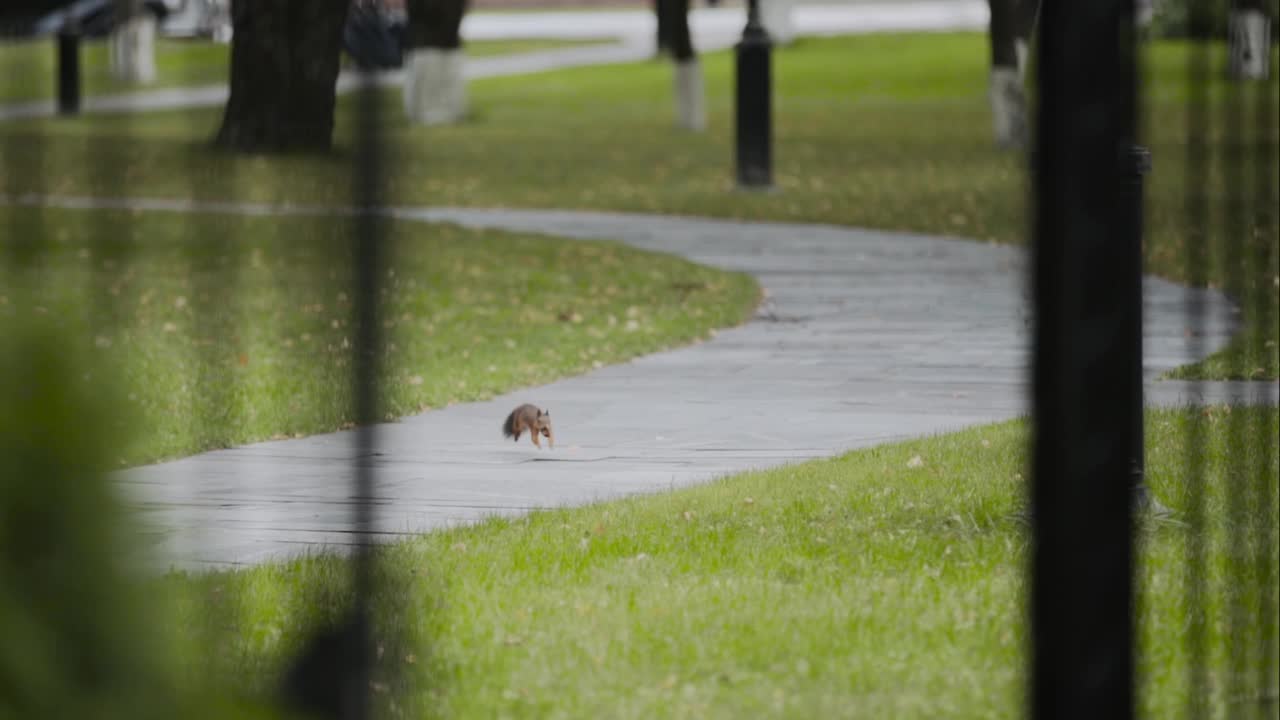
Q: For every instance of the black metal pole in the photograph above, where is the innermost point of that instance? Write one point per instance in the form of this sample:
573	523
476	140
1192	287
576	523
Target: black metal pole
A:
1136	163
69	70
1081	599
754	103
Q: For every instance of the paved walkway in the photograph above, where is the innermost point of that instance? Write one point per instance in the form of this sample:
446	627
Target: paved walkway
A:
633	31
866	337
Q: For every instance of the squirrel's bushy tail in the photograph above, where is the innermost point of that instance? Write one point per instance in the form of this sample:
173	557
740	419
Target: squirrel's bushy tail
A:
509	426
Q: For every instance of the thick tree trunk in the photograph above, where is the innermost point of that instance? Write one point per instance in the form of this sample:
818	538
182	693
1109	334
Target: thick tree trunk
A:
662	13
132	44
691	112
1028	11
1249	34
435	85
284	71
1006	93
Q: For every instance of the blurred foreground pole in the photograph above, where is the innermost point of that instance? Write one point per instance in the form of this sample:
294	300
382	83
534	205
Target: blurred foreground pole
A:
69	70
1136	164
333	675
1085	269
754	103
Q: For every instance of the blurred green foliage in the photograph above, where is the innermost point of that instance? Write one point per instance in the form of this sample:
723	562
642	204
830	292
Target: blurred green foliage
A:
70	621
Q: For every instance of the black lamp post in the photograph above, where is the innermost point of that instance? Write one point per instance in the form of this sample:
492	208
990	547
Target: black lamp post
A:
754	103
69	68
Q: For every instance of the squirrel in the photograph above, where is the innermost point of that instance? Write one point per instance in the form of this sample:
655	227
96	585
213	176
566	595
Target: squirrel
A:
529	417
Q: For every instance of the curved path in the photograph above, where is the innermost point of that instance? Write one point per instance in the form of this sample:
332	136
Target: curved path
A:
865	337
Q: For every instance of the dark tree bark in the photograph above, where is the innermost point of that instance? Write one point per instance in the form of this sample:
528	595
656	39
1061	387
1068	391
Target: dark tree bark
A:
1011	25
1003	33
679	37
661	14
284	71
1027	14
673	28
436	23
1011	21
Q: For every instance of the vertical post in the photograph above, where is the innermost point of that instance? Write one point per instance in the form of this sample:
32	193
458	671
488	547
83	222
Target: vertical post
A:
754	112
662	13
1135	165
1249	34
368	236
331	677
1083	366
69	69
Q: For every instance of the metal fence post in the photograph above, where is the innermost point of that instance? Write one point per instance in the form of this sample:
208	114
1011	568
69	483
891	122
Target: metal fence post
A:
69	69
1135	164
1083	366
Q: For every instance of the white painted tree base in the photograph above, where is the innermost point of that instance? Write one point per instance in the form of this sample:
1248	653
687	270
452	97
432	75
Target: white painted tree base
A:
1250	33
777	19
435	88
1008	107
691	106
132	49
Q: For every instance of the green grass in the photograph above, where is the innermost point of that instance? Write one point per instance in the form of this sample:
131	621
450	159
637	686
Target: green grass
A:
902	143
30	65
489	48
864	585
30	68
246	323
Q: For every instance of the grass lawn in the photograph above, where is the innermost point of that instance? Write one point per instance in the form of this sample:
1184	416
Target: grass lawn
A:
29	66
246	322
903	142
865	585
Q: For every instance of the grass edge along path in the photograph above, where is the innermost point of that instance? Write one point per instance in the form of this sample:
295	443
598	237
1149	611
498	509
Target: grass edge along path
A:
886	581
227	329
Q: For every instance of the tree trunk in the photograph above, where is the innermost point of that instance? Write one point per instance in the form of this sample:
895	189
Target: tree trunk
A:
1006	94
435	86
662	13
284	71
1028	12
132	43
1249	35
691	112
